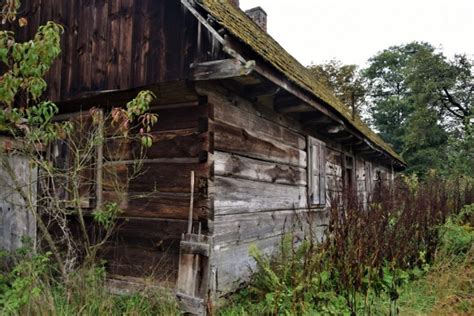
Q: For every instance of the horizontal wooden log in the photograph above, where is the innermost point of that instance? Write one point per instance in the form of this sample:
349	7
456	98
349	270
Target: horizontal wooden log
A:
157	234
297	107
168	144
217	95
159	205
244	228
237	140
259	90
156	177
128	260
234	196
231	165
228	113
167	93
180	118
234	265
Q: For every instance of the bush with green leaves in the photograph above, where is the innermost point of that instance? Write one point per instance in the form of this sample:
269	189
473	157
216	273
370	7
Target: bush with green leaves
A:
29	286
372	250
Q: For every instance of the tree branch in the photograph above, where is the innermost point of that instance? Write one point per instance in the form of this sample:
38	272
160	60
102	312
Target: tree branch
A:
455	103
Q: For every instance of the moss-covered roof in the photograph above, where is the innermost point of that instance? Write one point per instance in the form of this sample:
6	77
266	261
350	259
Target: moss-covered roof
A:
242	27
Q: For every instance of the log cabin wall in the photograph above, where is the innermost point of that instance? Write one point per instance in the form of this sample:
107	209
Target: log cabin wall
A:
250	161
155	203
156	208
259	190
118	44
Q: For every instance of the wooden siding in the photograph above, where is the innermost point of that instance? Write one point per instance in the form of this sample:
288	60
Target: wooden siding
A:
120	44
16	220
155	203
259	188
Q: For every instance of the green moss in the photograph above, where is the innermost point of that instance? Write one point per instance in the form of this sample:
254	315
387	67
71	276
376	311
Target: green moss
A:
243	28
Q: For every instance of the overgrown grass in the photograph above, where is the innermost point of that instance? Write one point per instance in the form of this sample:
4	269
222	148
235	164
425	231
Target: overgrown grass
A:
30	285
407	251
448	287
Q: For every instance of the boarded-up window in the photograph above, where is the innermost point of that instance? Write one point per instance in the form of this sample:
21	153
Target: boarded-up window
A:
316	172
368	177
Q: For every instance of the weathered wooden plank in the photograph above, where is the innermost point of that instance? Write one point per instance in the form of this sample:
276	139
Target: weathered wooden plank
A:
221	69
234	196
124	63
294	108
245	228
99	44
218	95
180	118
141	43
169	95
227	112
241	141
99	50
159	205
129	260
160	235
160	177
16	218
187	143
233	265
231	165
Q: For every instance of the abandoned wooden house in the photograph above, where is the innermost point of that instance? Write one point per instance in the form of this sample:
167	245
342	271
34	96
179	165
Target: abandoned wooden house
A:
264	138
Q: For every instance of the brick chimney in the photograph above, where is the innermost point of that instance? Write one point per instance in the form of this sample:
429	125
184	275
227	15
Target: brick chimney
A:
259	16
235	3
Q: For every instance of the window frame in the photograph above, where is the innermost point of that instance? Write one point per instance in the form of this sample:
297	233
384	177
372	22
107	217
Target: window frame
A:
316	172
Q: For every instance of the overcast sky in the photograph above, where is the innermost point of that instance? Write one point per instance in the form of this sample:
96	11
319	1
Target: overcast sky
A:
354	30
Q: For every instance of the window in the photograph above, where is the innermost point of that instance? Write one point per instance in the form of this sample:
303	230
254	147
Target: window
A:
369	185
316	172
348	173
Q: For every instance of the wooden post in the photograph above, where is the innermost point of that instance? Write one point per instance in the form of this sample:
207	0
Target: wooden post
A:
100	162
192	283
191	205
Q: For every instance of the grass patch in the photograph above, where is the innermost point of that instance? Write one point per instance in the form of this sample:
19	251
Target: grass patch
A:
30	285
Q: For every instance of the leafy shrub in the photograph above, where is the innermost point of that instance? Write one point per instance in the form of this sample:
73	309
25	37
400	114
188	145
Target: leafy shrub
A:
457	234
372	249
31	284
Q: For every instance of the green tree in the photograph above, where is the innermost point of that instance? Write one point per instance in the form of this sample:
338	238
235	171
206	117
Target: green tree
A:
447	87
402	103
344	80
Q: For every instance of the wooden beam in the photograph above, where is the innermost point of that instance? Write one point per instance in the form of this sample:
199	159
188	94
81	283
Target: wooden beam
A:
288	103
334	129
259	90
375	155
344	138
319	120
221	69
294	108
357	143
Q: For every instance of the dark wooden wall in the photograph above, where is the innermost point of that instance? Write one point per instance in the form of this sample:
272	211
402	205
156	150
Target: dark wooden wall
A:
155	203
117	44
